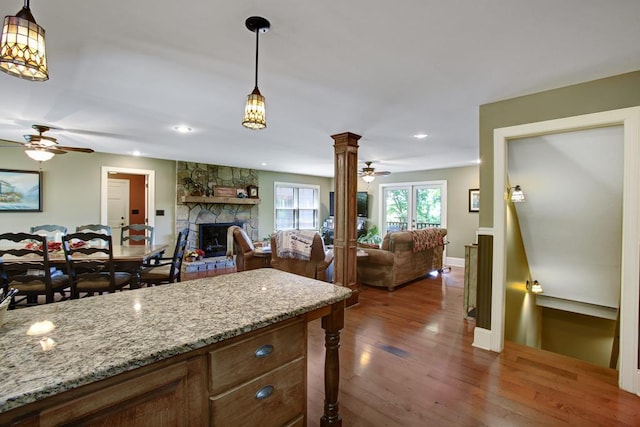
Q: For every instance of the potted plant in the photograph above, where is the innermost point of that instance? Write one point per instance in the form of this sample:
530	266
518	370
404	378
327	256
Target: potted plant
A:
194	255
371	239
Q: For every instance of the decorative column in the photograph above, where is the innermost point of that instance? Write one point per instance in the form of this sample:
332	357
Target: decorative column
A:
345	212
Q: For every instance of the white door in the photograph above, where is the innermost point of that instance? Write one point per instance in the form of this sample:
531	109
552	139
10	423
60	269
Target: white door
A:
118	205
414	206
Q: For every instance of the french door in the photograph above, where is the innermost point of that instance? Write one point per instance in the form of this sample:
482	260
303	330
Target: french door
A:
412	206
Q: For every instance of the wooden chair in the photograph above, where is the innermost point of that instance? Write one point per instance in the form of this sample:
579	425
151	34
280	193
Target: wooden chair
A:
244	250
168	270
89	258
29	270
50	229
146	237
94	228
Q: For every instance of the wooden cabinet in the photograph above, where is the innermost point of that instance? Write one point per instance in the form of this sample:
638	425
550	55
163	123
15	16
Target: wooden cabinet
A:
254	379
470	280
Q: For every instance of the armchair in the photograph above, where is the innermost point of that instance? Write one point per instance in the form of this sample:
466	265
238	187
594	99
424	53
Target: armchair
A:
246	258
314	268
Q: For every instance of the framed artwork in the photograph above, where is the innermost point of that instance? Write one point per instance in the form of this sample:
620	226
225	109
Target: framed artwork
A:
474	200
252	191
20	191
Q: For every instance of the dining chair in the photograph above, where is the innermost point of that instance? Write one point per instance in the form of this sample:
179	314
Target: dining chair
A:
25	266
94	228
50	229
146	237
168	270
90	264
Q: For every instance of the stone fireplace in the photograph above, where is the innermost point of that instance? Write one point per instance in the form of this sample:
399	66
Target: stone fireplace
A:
208	216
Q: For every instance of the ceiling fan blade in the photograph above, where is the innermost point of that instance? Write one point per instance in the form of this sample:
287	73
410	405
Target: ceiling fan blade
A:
383	173
8	141
77	149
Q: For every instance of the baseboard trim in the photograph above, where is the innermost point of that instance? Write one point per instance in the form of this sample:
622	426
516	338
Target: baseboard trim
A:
482	338
454	262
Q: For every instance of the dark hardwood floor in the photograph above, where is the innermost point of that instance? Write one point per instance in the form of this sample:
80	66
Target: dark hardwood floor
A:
406	359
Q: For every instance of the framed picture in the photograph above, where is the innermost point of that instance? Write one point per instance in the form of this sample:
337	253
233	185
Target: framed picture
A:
474	200
20	191
252	191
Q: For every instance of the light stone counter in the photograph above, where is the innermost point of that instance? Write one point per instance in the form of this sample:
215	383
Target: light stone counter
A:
101	336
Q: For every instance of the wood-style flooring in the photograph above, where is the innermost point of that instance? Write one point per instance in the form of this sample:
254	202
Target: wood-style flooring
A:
406	359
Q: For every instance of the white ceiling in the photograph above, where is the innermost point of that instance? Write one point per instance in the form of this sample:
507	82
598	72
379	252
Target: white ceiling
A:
123	74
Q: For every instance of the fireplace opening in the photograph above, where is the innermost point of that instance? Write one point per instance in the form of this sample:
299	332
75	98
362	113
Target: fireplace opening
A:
213	238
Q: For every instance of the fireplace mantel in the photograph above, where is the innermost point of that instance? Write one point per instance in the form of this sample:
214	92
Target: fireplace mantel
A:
220	200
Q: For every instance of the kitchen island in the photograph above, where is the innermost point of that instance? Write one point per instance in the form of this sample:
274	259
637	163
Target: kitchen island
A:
224	350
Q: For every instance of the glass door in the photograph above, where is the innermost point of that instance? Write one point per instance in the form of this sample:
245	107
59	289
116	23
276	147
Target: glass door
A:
413	206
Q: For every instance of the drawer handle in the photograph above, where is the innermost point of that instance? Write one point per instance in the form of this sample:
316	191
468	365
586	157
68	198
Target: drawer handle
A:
264	351
264	392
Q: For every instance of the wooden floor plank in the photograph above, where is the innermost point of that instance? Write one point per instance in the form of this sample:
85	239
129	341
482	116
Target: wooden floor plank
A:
406	359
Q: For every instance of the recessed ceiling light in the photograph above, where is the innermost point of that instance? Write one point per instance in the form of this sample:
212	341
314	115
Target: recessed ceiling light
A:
182	129
264	163
137	153
420	135
477	162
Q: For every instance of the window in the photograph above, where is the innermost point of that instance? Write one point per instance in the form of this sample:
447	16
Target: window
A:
296	206
414	205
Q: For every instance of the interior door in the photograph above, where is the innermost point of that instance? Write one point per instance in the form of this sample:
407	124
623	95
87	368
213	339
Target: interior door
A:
118	204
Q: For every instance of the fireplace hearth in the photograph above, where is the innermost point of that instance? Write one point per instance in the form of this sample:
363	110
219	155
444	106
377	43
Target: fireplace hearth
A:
213	238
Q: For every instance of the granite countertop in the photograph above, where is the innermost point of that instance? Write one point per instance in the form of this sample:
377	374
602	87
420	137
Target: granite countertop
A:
101	336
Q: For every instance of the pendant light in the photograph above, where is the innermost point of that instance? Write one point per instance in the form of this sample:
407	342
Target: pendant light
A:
22	51
254	111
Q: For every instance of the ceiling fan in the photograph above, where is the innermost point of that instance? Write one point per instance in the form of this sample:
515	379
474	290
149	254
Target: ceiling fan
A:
43	147
368	173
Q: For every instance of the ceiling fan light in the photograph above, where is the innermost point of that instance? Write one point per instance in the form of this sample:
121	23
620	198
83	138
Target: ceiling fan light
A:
254	111
368	178
22	47
39	155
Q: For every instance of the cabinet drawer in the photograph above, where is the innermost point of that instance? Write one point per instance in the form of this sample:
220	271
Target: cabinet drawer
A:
274	399
235	364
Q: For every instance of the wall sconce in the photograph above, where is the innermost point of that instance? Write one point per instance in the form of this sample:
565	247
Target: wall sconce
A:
516	194
534	287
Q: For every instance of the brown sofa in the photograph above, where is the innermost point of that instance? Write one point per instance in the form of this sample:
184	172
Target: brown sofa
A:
314	268
396	263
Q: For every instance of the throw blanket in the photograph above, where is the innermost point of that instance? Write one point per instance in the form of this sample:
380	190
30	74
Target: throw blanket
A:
230	242
295	244
426	238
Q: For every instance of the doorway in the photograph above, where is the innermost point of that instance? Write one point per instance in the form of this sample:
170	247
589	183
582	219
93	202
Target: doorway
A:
629	118
106	214
412	206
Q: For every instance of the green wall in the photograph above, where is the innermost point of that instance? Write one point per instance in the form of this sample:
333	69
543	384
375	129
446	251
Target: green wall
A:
71	190
606	94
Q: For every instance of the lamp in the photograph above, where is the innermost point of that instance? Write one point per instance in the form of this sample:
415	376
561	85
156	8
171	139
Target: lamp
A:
534	287
254	111
517	195
22	51
368	178
39	154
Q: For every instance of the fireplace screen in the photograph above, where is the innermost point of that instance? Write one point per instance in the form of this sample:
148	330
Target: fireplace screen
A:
213	238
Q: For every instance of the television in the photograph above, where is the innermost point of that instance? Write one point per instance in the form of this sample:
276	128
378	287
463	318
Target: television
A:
362	203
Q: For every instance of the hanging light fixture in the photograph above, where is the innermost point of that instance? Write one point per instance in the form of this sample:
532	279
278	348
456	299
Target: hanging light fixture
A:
368	178
254	111
22	51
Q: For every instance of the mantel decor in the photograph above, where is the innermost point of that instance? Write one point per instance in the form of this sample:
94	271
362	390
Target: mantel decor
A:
252	191
20	191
